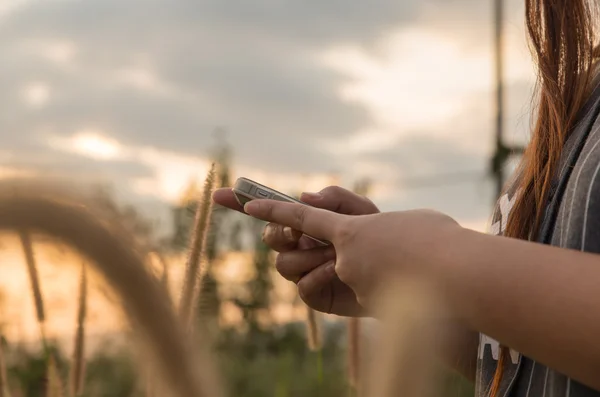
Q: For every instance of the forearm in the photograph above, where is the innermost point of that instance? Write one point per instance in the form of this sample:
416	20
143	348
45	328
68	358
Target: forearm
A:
542	301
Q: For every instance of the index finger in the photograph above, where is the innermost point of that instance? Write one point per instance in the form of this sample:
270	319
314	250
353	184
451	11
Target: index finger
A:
312	221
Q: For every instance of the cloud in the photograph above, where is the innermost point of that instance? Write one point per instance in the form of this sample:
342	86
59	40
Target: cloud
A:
163	75
310	22
220	71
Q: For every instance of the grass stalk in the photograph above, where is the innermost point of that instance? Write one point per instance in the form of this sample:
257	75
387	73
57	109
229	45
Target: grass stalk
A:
196	253
77	373
405	358
34	280
54	384
354	356
4	388
34	205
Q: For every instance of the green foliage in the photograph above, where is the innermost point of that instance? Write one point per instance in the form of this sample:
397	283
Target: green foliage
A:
108	373
278	363
257	299
455	385
111	375
29	370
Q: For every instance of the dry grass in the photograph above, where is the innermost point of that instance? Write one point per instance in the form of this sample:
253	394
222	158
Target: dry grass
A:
30	205
404	361
197	249
77	373
403	364
313	330
34	280
4	390
353	357
54	386
164	277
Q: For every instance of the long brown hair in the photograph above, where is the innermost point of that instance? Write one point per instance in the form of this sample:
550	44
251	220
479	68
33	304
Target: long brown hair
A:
561	34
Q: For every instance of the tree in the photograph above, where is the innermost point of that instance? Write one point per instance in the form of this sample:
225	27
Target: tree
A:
183	216
257	302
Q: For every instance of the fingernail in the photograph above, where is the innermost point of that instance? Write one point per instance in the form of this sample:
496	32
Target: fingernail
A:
251	206
330	268
312	195
265	233
288	233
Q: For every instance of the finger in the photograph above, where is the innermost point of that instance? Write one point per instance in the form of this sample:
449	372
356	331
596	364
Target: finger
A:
281	238
340	200
225	197
315	281
293	265
306	243
315	222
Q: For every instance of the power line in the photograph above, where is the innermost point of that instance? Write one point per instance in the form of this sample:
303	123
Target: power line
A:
502	152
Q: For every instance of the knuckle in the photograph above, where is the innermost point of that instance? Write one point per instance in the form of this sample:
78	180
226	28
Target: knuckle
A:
300	216
272	234
285	266
332	191
302	291
267	233
345	232
281	263
370	207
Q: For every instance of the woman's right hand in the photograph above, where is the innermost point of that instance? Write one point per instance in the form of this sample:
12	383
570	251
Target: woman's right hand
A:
307	263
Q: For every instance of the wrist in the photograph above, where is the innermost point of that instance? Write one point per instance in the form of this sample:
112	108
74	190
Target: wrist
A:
444	265
432	246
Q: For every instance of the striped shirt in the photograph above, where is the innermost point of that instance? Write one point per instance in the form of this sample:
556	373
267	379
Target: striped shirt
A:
572	220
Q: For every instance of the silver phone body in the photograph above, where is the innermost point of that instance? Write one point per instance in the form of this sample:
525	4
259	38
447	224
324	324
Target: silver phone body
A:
246	190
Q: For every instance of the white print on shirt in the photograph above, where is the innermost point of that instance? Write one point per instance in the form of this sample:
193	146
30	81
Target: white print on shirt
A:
486	340
506	206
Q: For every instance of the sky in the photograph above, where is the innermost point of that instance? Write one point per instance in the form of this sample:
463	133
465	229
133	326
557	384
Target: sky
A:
130	93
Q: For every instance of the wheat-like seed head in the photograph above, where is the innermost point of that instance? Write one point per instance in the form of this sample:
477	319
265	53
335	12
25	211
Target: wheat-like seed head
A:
33	205
196	252
34	281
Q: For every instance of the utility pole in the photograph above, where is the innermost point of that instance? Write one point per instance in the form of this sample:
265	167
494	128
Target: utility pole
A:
502	151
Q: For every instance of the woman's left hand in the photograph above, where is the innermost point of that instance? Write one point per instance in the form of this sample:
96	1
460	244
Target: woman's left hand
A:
370	249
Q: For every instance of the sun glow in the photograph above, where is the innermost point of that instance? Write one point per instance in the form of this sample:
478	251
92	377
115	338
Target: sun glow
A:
90	143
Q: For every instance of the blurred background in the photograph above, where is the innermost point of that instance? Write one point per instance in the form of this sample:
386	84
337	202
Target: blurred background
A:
394	98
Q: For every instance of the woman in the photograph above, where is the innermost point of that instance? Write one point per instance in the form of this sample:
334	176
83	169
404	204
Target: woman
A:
541	300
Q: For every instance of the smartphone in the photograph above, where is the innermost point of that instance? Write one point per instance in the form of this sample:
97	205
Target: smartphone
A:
246	190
